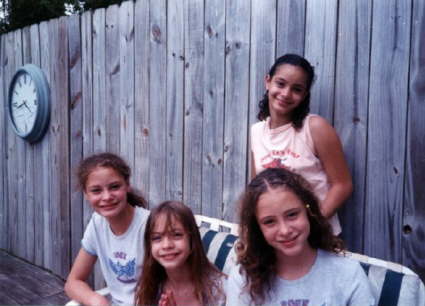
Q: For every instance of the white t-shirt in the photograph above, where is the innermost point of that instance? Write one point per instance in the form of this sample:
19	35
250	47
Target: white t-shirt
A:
120	256
332	281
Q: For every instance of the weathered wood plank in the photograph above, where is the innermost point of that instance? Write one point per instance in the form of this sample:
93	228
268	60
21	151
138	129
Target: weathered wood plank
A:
320	43
44	170
141	99
12	173
28	181
76	130
112	82
414	197
3	148
194	93
99	80
387	128
351	117
126	97
157	97
175	100
37	160
236	104
213	110
291	24
60	147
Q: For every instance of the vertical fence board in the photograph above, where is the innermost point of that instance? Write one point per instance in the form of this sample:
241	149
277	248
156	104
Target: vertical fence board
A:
76	131
236	103
320	43
213	96
60	146
157	97
351	105
3	150
112	83
28	180
194	89
387	128
37	158
263	46
44	170
414	197
126	82
290	27
141	96
99	81
175	100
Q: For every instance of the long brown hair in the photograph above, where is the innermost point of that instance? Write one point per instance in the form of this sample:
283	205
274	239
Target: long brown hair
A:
109	160
205	276
255	255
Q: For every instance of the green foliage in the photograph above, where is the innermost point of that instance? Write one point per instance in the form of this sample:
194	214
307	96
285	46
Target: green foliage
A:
94	4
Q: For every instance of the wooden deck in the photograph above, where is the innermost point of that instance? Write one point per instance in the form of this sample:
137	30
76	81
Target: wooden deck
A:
22	283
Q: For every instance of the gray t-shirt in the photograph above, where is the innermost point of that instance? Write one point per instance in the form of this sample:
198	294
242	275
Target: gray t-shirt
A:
120	256
333	280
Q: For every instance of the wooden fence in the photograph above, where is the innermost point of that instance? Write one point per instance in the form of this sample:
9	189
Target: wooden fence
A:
173	87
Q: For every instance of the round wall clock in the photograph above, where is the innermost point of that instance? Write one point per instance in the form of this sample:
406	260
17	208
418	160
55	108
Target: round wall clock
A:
29	103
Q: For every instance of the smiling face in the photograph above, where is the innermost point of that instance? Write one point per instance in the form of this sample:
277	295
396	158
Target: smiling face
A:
283	220
287	89
106	191
170	243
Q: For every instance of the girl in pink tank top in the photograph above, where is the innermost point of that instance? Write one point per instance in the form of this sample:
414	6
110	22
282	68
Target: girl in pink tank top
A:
288	137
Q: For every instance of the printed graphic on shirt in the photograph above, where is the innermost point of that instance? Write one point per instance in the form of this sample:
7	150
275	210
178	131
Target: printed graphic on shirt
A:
125	270
278	159
295	302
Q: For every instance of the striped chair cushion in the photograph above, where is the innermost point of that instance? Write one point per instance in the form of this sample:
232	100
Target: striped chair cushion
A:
219	248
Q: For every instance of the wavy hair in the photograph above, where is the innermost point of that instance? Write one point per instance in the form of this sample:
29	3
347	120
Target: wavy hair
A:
255	255
205	276
109	160
301	111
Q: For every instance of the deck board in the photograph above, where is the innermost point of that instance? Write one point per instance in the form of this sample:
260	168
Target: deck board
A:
22	283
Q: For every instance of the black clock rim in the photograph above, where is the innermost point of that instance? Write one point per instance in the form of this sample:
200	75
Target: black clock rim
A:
42	119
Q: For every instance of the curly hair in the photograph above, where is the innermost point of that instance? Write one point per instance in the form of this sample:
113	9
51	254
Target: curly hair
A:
302	110
205	276
109	160
255	255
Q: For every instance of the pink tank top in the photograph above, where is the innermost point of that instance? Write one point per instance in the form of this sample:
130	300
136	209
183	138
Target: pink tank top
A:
292	149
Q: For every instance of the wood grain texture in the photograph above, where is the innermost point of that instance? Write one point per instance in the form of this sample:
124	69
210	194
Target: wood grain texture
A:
291	27
44	170
414	179
76	131
236	103
141	96
157	97
175	100
194	103
126	81
351	109
213	109
320	51
387	128
3	150
112	82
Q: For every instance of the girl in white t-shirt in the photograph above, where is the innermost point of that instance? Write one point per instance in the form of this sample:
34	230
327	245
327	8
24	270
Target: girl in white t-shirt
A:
176	270
114	234
287	252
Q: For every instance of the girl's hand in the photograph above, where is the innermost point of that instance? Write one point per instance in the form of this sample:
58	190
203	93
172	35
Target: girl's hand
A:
167	299
98	300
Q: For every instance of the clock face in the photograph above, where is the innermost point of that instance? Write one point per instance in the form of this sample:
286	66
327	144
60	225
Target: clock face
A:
24	103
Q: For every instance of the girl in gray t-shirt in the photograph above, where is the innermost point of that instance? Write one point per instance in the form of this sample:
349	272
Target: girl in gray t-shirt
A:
287	252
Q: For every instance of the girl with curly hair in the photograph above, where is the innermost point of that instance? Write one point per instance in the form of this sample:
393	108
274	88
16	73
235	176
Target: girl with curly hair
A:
287	252
287	136
176	270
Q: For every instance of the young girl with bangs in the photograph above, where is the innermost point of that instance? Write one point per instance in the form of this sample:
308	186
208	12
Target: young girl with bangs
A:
114	234
287	252
176	270
287	136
